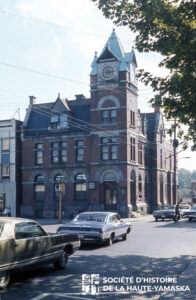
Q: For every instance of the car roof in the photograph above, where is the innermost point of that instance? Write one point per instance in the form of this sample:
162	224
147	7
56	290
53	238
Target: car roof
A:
12	220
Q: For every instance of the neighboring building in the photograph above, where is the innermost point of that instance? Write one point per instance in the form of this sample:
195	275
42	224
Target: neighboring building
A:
10	166
109	155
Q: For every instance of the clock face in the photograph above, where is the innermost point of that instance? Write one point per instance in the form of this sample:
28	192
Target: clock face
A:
107	72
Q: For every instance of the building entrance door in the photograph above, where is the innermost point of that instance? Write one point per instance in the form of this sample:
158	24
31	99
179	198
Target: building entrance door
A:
110	195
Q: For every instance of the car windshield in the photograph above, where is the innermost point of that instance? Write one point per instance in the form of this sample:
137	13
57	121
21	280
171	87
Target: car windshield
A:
167	207
184	207
91	218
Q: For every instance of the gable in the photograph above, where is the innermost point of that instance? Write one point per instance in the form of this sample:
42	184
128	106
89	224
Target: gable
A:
107	55
60	106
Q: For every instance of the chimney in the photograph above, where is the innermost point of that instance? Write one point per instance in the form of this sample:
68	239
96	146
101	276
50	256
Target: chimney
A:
32	100
80	97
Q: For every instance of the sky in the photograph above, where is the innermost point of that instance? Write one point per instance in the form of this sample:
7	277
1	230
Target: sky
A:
47	47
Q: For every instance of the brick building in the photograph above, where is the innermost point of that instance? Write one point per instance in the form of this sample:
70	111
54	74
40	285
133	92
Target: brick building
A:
109	155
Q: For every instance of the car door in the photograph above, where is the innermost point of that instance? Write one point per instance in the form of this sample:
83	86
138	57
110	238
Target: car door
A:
30	242
116	224
24	244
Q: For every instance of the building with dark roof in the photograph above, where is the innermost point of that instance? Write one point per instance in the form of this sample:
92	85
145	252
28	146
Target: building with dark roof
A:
107	154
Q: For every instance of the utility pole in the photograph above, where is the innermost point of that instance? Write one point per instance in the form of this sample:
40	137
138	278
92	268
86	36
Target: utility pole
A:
175	145
61	191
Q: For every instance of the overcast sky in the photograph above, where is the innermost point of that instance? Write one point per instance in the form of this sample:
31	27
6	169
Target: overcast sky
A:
58	38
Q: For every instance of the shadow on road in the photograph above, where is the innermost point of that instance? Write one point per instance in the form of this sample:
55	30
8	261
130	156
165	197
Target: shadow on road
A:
30	284
180	224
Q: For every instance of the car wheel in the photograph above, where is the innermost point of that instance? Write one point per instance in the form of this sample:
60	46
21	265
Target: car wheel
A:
163	219
156	219
4	279
61	262
124	238
110	240
190	219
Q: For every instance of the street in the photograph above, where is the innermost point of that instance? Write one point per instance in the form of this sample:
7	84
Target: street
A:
153	249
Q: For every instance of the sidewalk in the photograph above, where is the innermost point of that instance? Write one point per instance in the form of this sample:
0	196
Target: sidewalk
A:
56	221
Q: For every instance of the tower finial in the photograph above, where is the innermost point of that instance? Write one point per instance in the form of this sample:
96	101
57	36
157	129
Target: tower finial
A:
59	95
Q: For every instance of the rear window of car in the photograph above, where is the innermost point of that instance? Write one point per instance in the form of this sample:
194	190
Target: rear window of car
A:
167	207
91	218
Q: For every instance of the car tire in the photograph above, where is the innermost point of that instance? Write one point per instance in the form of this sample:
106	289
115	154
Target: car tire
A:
156	219
61	262
4	279
163	219
124	238
110	240
190	219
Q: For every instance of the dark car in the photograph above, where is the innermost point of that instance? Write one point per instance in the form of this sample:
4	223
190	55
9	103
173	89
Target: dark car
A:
24	243
97	227
191	215
165	212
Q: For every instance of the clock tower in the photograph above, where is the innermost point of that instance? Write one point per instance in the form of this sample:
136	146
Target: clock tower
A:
114	119
114	75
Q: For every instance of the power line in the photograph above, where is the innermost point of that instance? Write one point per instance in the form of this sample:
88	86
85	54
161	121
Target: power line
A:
55	25
41	73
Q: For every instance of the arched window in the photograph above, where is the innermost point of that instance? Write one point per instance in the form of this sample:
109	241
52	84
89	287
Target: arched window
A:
39	188
80	187
58	180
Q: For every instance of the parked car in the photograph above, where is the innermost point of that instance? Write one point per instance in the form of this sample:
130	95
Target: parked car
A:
191	215
165	212
24	243
97	227
184	207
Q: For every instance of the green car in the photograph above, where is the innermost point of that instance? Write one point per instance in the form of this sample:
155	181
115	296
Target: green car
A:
24	244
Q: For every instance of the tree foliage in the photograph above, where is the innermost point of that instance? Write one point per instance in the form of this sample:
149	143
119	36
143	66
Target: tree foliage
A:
169	28
185	177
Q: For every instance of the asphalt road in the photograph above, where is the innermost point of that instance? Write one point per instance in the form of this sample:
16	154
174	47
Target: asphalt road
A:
154	251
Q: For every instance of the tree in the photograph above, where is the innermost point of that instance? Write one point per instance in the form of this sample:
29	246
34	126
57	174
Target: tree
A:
169	28
185	178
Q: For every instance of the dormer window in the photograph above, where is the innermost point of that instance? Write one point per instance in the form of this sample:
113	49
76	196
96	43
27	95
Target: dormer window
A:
63	121
59	122
54	121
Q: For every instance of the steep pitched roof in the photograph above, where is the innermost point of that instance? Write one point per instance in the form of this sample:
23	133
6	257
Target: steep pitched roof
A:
114	48
39	117
60	104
